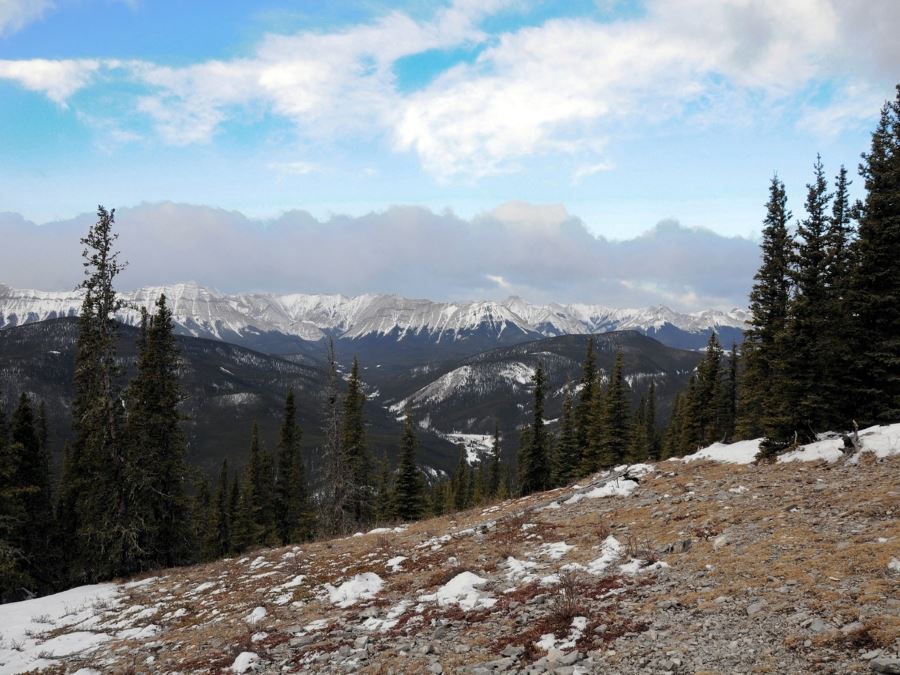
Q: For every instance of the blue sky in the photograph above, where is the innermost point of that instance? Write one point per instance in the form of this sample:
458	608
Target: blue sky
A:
626	113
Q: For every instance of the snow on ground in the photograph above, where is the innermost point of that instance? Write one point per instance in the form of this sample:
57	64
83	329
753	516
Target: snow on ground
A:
617	488
23	623
549	641
476	445
462	590
610	550
555	550
390	619
395	564
244	661
742	452
828	449
882	440
363	586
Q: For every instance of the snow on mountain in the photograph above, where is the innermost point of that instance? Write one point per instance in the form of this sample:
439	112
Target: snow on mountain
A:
203	312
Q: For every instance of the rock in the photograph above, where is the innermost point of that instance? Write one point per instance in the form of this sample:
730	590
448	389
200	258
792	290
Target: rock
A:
513	651
885	665
868	656
818	626
721	541
302	640
435	668
756	607
678	547
570	659
361	642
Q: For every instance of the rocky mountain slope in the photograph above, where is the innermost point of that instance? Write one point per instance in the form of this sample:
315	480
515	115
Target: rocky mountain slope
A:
679	567
283	323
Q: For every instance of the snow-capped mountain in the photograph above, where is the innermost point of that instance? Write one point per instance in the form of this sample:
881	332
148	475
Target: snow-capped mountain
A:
203	312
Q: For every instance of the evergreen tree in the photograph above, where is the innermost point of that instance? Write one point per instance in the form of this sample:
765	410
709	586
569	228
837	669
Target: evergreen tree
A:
616	419
460	481
409	491
671	443
584	408
384	493
707	403
201	520
255	522
105	536
234	514
493	479
15	581
590	455
639	449
651	431
218	542
293	515
337	488
157	447
569	458
761	405
534	467
33	477
729	402
838	276
874	297
354	450
806	395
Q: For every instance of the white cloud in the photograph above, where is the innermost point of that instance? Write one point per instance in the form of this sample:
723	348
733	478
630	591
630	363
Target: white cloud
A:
405	250
16	14
564	87
295	168
57	80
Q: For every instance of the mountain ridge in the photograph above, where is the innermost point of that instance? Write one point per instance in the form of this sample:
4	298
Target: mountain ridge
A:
203	312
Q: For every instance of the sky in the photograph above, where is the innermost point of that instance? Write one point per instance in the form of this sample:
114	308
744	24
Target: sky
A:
621	120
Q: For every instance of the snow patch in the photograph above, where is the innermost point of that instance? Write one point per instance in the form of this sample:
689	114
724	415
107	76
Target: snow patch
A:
361	587
462	590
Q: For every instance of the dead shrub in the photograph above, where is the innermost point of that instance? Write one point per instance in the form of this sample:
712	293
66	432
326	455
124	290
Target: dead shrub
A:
569	601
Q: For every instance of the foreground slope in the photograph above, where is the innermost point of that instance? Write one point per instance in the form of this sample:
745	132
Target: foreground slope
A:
679	567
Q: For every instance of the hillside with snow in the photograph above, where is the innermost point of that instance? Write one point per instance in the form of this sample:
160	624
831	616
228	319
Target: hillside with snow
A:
202	312
711	564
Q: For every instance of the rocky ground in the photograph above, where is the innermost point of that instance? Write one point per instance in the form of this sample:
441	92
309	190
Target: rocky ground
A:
695	567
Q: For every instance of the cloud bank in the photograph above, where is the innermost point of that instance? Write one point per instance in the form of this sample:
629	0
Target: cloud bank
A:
540	252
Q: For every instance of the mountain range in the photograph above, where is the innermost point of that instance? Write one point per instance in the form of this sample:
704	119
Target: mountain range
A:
376	323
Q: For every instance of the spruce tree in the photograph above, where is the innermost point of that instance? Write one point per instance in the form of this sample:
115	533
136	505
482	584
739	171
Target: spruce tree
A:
616	419
201	520
493	479
33	477
337	489
707	403
590	455
762	408
729	398
409	491
255	524
568	456
651	430
218	543
156	459
384	493
293	514
534	467
460	482
805	390
354	448
15	581
874	296
105	536
671	442
639	449
584	407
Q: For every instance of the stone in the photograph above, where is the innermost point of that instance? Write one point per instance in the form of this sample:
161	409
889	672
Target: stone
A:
678	547
361	642
885	665
756	607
